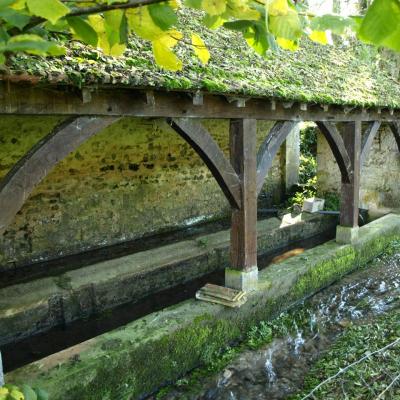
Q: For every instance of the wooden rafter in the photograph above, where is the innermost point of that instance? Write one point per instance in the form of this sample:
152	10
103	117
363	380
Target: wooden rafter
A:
24	100
269	148
20	181
368	139
199	138
338	148
395	127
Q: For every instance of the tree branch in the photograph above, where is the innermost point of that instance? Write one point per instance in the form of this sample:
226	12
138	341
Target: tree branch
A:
79	11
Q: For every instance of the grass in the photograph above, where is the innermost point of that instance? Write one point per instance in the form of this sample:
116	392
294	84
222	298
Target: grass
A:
367	379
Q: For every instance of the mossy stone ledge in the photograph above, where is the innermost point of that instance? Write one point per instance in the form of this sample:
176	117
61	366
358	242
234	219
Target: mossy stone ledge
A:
144	355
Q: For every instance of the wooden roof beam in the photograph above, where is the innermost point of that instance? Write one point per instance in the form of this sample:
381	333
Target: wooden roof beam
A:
26	100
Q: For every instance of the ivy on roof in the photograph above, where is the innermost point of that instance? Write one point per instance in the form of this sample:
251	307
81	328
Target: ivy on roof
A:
343	74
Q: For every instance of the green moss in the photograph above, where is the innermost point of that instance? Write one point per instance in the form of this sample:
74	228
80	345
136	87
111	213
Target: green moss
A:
173	355
353	74
143	356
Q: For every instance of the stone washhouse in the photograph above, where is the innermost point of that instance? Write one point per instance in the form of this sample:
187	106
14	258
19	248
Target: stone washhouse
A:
97	151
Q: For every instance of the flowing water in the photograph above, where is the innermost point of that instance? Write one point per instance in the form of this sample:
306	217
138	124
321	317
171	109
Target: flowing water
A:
277	370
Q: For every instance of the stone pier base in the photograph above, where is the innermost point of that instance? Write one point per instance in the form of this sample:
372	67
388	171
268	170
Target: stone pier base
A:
242	280
346	234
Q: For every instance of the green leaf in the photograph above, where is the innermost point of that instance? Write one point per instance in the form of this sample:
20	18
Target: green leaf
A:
5	3
41	394
116	27
163	15
33	44
51	10
213	21
257	38
4	36
193	4
14	18
381	25
286	26
83	30
334	23
214	7
240	25
28	392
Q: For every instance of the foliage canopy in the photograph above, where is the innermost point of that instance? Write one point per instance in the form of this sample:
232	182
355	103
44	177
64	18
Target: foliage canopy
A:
42	27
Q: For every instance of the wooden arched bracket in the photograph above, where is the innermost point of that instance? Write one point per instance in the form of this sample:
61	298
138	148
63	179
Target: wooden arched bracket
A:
395	127
20	181
367	140
338	148
269	148
347	150
201	141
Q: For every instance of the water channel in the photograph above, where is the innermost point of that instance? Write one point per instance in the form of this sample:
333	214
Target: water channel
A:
277	370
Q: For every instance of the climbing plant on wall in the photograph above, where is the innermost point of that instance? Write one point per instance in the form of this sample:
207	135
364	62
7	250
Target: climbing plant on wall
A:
41	27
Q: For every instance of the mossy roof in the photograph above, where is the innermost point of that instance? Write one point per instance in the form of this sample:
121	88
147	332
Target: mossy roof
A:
342	74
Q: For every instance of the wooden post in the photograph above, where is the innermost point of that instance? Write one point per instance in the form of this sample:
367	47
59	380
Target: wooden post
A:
350	194
243	273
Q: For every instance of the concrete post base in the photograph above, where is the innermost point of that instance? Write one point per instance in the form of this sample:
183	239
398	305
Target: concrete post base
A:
346	234
242	280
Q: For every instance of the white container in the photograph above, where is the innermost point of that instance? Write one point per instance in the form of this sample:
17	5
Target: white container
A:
313	204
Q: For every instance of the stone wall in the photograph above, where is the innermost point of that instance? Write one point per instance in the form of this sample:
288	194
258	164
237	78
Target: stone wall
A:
380	175
135	178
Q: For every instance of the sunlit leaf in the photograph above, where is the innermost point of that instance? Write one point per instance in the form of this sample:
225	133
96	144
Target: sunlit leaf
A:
99	25
240	9
257	38
286	26
277	7
200	48
115	27
141	22
287	44
163	54
320	37
18	4
214	7
51	10
213	21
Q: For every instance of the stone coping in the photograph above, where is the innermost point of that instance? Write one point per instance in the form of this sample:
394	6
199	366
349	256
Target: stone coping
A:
143	355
